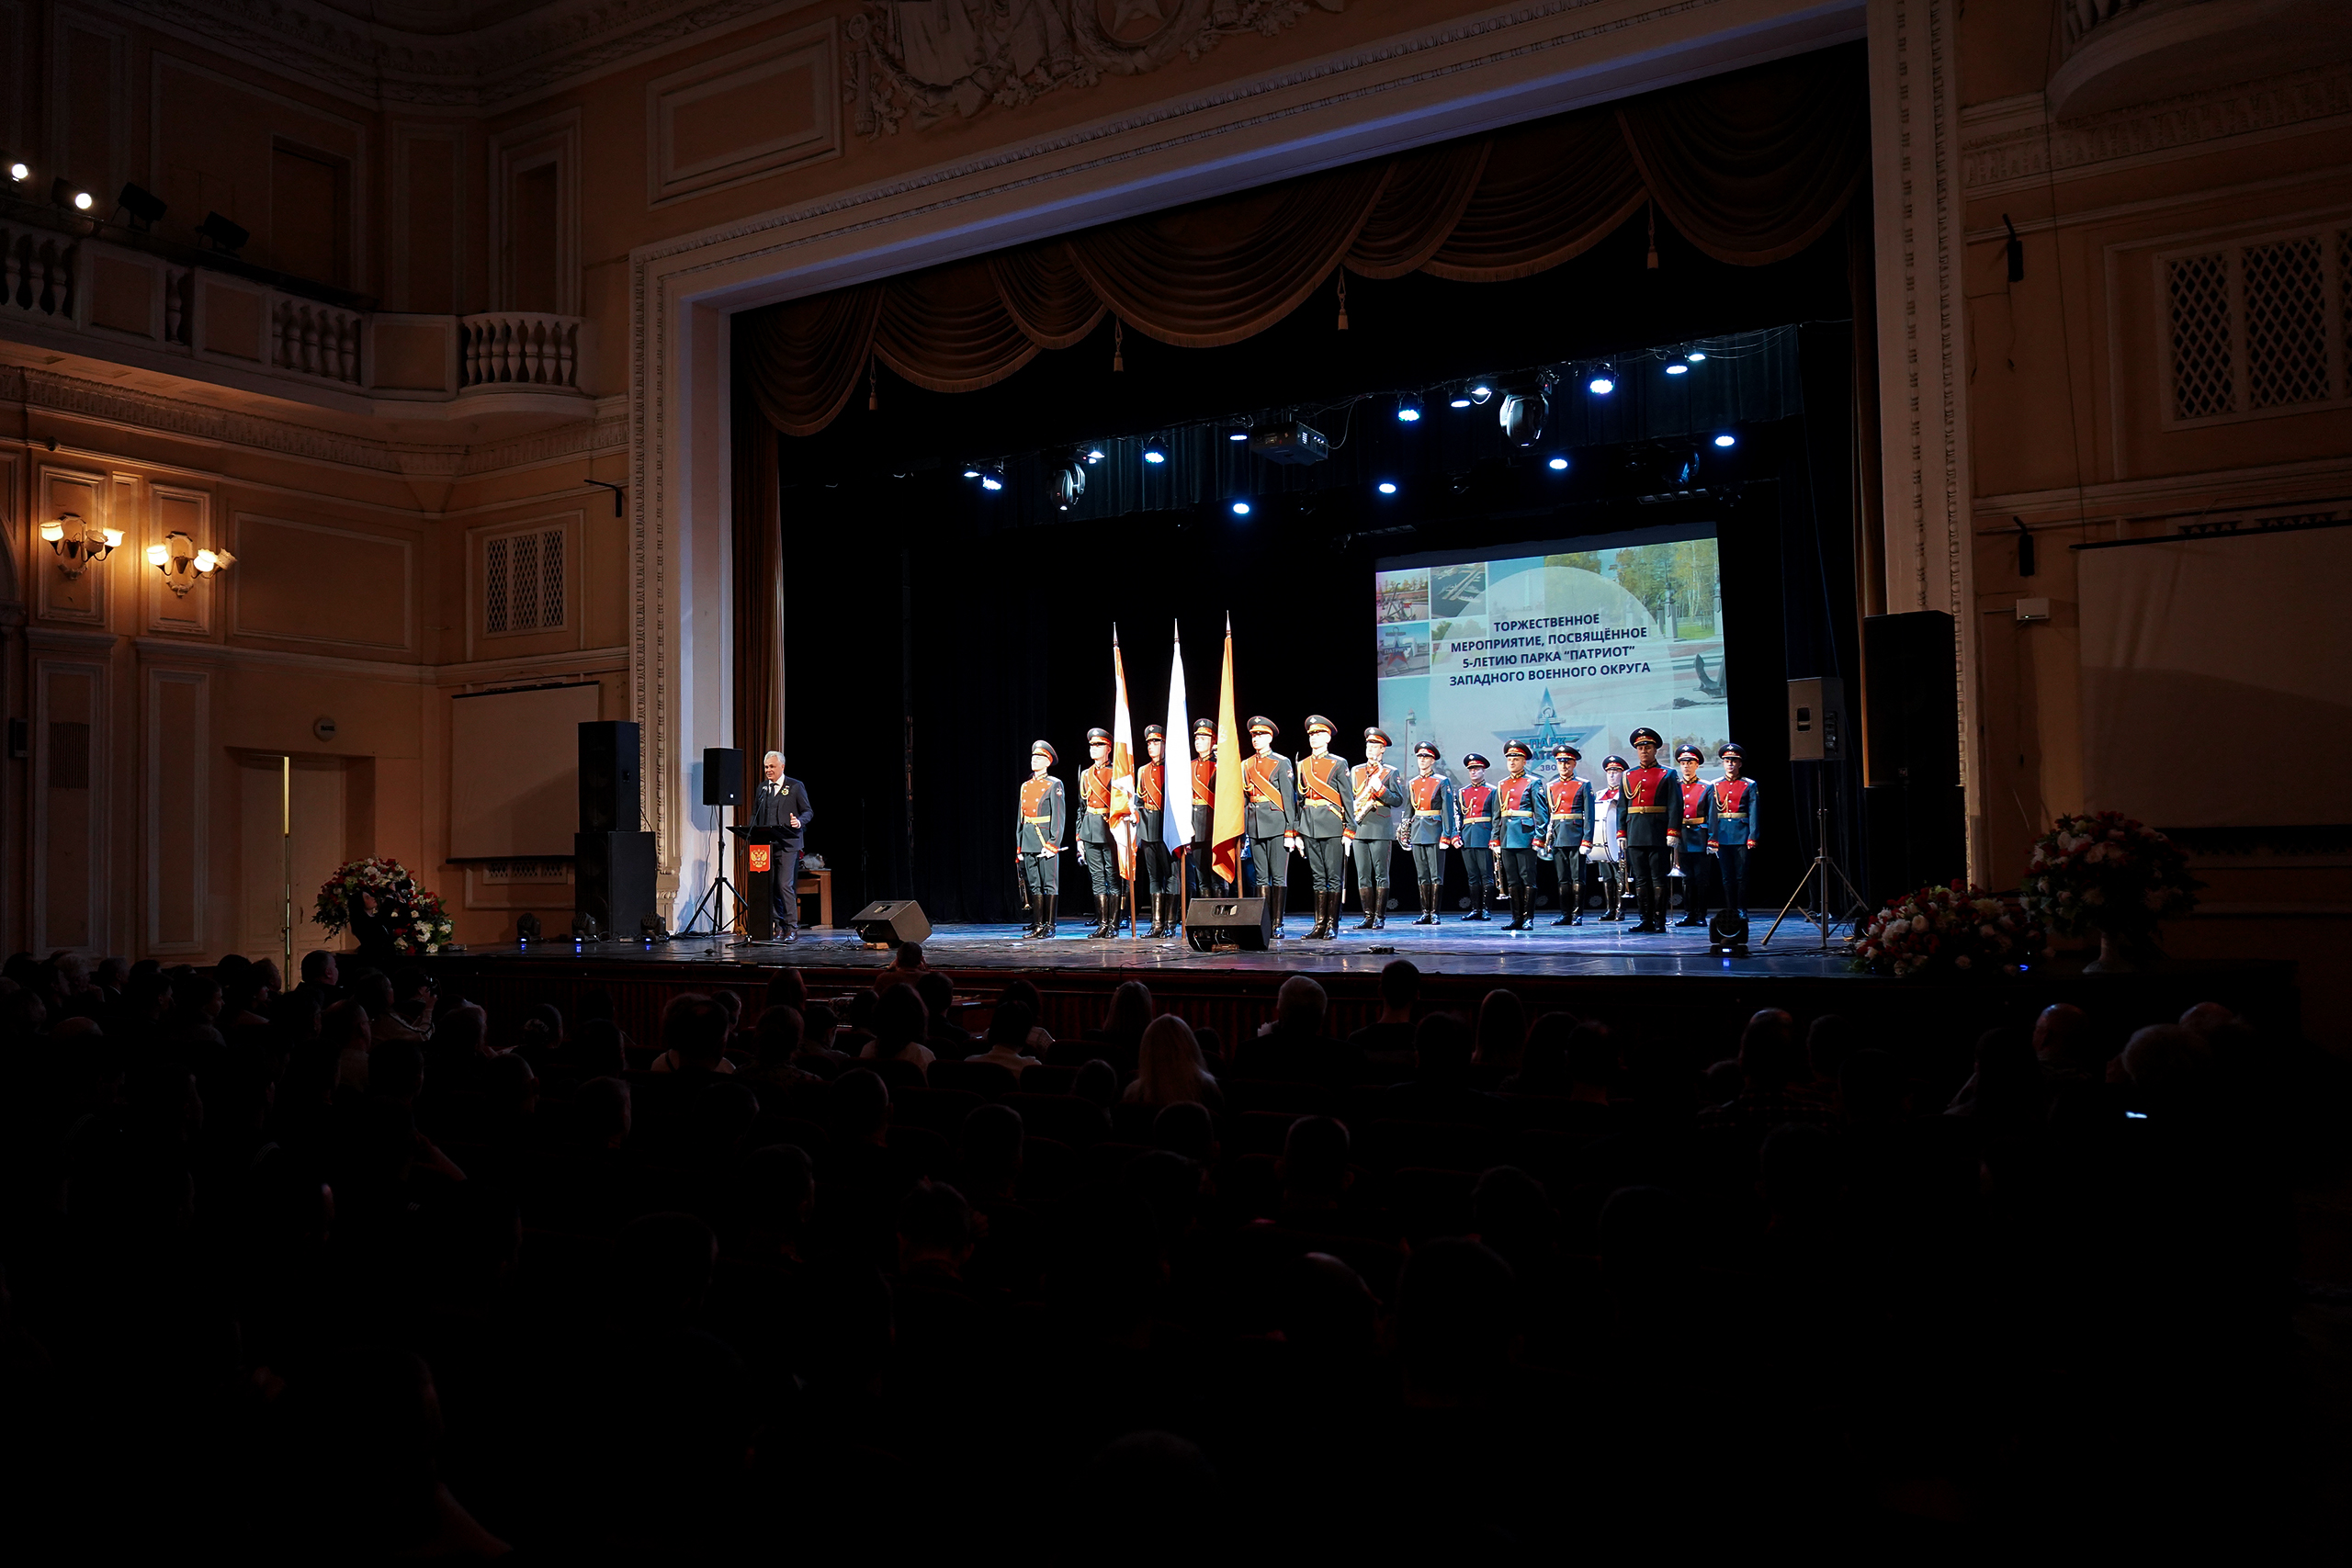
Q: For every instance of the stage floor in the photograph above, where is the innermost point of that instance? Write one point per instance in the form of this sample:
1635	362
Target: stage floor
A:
1454	947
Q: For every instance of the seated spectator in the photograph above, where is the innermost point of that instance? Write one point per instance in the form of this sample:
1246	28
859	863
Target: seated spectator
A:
990	1153
1295	1048
901	1021
905	967
2008	1094
1440	1087
1828	1041
820	1028
1543	1063
319	978
344	1029
1767	1048
2066	1046
788	987
1186	1128
409	1014
693	1036
1009	1030
1501	1038
1316	1183
857	1033
731	1005
1097	1083
1454	1326
1041	1040
1381	1051
1123	1023
372	989
1168	1069
543	1037
597	1051
947	1042
776	1042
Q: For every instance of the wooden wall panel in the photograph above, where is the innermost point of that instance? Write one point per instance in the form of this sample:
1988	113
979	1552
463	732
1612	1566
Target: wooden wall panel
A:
70	794
177	811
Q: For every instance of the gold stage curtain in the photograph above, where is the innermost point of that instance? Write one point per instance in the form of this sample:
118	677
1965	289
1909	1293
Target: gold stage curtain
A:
1221	271
1750	167
1753	167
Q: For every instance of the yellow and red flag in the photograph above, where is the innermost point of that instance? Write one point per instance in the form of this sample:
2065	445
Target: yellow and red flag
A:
1231	819
1123	817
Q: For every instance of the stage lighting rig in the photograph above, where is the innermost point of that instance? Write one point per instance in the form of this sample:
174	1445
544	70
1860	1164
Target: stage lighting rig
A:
1408	407
19	171
992	478
1093	453
1155	451
70	196
1603	381
1696	356
1238	429
223	234
1068	482
1522	416
971	470
144	205
1727	440
1242	509
1290	442
1558	465
1678	368
1387	487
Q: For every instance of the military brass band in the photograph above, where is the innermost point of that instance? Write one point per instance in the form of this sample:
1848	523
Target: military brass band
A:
1637	830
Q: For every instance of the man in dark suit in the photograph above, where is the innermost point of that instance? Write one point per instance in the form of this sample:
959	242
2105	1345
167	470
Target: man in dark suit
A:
782	804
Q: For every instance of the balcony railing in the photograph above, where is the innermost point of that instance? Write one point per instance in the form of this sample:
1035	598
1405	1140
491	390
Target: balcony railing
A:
2082	17
66	289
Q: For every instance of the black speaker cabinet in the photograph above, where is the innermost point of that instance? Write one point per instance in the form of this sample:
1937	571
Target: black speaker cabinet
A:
1246	923
1917	835
612	879
608	757
889	921
1911	699
722	775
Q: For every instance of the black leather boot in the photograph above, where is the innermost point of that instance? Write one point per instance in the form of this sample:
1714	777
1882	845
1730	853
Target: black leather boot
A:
1045	917
1031	905
1380	909
1372	898
1428	905
1510	900
1477	904
1106	919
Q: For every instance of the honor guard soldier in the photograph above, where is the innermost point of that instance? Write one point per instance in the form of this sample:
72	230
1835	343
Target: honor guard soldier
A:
1730	826
1379	789
1522	818
1153	862
1642	830
1473	833
1690	825
1327	824
1569	838
1037	838
1199	876
1428	795
1609	835
1271	817
1095	841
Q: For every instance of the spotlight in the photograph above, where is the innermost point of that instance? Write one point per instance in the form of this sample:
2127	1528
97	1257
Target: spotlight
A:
1387	487
992	478
1237	430
1726	439
65	192
970	472
20	171
1522	417
225	236
1461	399
144	205
1155	451
1696	356
1603	382
1242	509
1727	934
1408	407
1067	482
1094	454
1677	370
1481	392
1558	465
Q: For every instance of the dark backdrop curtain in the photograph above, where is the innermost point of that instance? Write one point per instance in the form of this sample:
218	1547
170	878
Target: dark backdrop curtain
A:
756	591
1751	169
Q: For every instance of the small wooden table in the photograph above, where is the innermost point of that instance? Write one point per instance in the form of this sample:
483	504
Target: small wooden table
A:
821	882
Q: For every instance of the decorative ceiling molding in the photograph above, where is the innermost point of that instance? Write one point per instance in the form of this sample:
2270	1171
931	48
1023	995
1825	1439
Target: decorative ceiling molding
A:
486	68
2014	143
134	410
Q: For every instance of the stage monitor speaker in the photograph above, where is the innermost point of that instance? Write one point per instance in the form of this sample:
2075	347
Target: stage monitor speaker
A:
1245	923
889	921
1917	836
608	761
612	879
1817	719
1911	699
722	775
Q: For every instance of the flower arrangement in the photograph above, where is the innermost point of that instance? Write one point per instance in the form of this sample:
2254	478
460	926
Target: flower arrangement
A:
1961	930
413	915
2106	875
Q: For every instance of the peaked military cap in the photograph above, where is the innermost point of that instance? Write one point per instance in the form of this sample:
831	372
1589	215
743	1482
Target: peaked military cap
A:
1474	760
1613	761
1730	749
1564	750
1316	721
1687	749
1427	750
1260	721
1204	727
1097	733
1155	732
1519	749
1375	733
1646	733
1043	749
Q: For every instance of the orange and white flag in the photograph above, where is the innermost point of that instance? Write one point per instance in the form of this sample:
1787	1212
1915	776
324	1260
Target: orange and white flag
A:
1124	818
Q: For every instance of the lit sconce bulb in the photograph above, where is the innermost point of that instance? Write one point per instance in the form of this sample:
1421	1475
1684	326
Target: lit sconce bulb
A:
222	560
20	171
52	531
158	556
82	200
113	538
205	560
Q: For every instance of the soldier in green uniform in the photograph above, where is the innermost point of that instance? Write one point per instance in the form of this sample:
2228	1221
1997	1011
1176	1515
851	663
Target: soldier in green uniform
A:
1199	874
1095	838
1521	816
1154	866
1327	823
1378	790
1569	837
1695	797
1643	829
1428	795
1473	833
1270	793
1037	838
1731	825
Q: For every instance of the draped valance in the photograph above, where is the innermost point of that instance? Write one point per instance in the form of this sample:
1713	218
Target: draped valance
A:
1750	168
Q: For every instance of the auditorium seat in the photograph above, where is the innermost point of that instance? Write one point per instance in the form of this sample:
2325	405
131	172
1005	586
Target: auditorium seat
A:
1075	1121
1048	1078
1132	1121
1431	1203
1260	1132
1100	1166
1049	1172
1452	1145
925	1152
1262	1250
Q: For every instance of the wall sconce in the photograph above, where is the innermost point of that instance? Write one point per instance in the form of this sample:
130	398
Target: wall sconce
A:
77	544
183	564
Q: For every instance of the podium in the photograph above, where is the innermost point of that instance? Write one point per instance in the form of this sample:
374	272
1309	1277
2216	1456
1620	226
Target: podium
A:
759	883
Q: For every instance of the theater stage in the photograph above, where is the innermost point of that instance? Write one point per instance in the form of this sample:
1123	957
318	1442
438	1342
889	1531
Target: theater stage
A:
1667	985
